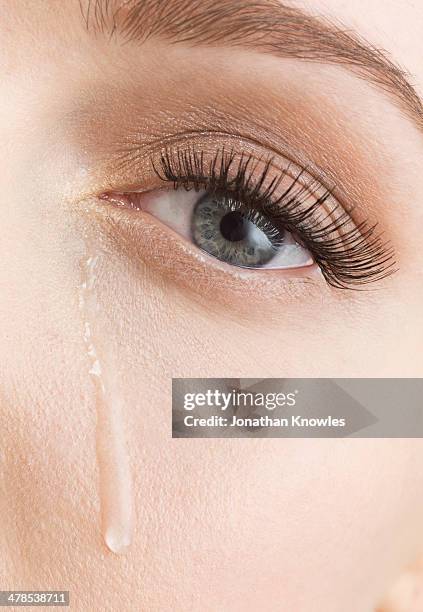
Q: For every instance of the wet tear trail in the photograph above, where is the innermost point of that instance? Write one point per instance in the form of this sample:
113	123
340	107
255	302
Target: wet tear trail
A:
115	482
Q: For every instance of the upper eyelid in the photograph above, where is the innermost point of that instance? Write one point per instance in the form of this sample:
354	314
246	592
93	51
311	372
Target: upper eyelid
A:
132	154
262	166
199	140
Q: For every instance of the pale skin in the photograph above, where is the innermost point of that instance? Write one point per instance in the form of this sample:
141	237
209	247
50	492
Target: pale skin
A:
233	525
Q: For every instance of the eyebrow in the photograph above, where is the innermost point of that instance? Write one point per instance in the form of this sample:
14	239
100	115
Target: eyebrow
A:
266	26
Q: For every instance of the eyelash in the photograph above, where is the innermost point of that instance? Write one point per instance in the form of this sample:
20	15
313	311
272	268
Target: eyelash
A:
355	258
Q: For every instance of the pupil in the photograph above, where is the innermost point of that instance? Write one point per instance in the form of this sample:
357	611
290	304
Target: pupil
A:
234	226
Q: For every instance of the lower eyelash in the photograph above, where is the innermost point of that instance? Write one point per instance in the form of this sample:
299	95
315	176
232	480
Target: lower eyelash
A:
349	255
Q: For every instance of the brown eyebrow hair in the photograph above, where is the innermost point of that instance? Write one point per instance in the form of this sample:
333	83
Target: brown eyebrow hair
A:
267	26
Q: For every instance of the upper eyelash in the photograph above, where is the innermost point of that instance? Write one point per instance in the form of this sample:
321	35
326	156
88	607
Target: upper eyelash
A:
355	258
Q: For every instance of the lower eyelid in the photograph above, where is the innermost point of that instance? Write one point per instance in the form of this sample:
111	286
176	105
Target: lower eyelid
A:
146	241
173	205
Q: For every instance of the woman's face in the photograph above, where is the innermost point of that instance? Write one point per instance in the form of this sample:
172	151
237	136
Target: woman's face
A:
102	112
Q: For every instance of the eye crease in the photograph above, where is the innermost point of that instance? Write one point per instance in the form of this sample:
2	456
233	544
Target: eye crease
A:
262	213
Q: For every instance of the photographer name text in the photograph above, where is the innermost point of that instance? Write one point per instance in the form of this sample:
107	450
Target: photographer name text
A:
263	421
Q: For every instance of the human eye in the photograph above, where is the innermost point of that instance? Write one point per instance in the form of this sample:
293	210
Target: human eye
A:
261	212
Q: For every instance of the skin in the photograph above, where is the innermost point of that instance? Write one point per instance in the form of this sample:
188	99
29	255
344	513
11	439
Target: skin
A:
305	525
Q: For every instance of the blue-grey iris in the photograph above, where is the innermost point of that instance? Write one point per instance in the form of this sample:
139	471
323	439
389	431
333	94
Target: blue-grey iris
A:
234	233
